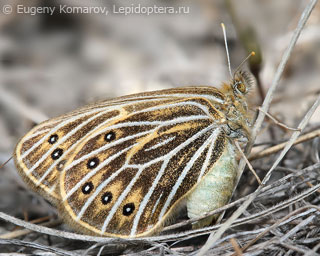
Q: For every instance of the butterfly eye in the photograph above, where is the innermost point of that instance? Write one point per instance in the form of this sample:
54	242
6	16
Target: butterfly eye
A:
110	136
93	162
87	188
56	153
53	139
241	87
106	198
128	209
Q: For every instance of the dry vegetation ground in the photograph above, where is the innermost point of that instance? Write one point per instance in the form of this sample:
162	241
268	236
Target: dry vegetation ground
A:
52	64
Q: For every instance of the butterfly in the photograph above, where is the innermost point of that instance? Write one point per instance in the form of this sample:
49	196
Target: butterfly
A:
122	167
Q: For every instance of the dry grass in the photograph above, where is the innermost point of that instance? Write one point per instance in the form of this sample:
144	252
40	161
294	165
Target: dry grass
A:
279	217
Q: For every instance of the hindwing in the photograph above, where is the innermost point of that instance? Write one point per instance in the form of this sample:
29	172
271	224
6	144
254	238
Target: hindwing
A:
38	155
118	167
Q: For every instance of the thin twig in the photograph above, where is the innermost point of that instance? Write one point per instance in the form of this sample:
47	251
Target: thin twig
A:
247	161
6	162
313	251
236	247
22	232
244	248
277	148
42	247
276	121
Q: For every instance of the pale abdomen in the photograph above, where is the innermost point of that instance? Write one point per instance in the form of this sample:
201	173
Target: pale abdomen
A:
215	189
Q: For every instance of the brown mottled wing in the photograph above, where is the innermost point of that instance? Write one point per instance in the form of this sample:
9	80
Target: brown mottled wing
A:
124	179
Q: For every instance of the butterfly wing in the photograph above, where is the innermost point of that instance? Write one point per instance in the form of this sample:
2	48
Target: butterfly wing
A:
38	155
126	177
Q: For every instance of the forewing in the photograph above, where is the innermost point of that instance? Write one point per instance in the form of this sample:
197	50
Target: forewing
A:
124	179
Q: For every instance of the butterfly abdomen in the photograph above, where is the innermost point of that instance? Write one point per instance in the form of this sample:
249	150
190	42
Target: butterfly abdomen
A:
215	189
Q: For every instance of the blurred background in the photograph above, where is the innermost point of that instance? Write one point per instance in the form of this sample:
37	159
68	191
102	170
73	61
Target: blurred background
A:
52	63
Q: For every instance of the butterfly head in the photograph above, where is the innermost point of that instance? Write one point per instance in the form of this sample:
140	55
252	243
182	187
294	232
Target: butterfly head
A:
241	83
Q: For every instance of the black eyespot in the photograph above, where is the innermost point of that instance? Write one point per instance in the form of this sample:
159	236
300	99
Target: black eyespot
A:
128	209
87	188
93	162
106	198
56	153
53	139
110	136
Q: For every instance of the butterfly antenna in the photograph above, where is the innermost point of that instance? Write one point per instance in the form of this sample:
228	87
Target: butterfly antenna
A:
5	162
226	45
241	64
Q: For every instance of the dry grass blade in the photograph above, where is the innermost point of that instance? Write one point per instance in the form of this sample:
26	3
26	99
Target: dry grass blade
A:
313	251
23	232
248	163
48	249
244	248
65	234
277	148
1	166
236	247
277	122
